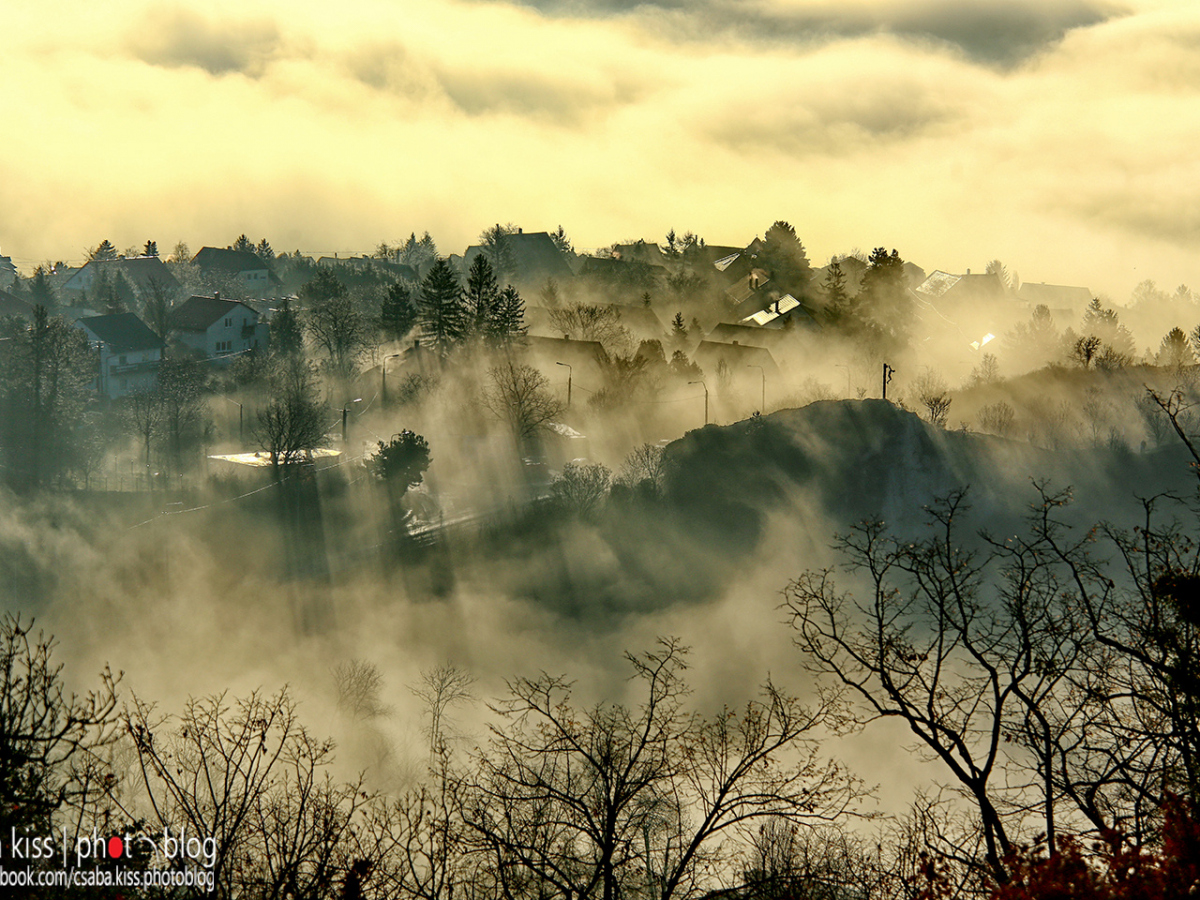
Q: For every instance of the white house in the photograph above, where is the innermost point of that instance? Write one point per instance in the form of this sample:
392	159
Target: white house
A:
218	328
130	353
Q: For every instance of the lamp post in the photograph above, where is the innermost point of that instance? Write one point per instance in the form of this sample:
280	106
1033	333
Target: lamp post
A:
241	422
763	372
570	374
383	377
345	411
705	386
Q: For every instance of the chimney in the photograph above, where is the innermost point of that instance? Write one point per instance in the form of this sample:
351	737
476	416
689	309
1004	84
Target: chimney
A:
735	343
216	295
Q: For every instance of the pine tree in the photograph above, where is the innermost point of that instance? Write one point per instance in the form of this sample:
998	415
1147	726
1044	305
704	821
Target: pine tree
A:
443	318
884	297
243	244
508	319
561	241
1174	352
397	312
102	252
41	292
151	249
264	251
785	258
679	331
481	296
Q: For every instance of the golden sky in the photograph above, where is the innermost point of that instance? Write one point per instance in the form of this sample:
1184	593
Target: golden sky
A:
1057	135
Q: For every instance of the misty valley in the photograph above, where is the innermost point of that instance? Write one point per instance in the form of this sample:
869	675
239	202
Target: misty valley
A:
662	571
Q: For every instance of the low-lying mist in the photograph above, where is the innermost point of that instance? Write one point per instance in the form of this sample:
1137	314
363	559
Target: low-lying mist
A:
208	594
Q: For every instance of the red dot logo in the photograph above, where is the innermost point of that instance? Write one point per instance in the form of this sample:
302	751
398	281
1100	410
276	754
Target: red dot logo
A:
115	847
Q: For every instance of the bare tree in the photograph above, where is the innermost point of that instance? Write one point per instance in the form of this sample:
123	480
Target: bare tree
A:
251	779
341	331
645	464
931	392
516	394
358	685
293	423
441	688
997	418
609	800
593	322
146	414
966	663
46	734
581	488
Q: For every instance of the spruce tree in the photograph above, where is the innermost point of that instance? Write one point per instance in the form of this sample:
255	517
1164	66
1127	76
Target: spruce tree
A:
398	312
443	317
482	296
508	319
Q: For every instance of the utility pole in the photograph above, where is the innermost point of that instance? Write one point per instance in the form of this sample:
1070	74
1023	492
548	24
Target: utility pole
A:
888	372
705	386
345	410
570	374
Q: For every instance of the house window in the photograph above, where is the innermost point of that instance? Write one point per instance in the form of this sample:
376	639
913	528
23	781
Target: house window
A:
228	321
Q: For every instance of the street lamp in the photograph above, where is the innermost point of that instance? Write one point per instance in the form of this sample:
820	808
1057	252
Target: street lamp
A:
570	374
763	372
241	429
705	386
383	377
345	410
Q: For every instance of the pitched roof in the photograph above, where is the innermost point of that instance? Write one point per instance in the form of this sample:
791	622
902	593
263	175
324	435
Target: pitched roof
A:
12	305
197	313
749	335
642	320
211	259
122	332
1055	295
574	353
710	354
781	306
535	256
139	271
143	270
640	250
937	283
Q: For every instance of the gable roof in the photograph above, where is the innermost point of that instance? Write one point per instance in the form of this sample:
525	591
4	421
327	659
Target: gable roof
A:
139	271
711	354
985	286
642	320
780	307
575	353
198	313
749	335
642	251
535	256
12	305
122	332
232	262
1054	295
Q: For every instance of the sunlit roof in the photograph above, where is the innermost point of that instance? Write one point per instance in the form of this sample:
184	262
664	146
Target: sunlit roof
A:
786	304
